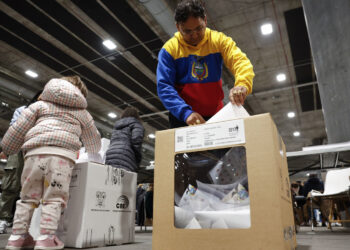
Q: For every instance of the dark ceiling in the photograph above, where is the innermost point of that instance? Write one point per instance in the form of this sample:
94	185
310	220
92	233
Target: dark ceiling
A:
54	19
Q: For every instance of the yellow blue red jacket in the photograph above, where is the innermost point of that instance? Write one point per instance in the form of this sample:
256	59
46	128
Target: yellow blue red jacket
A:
189	77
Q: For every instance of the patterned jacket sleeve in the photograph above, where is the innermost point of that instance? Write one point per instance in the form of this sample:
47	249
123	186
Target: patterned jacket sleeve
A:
90	136
14	137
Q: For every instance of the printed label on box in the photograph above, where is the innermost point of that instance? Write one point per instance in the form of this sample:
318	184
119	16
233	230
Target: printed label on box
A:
75	178
210	135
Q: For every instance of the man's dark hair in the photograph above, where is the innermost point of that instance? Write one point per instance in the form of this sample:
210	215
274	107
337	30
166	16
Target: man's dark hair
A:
130	112
188	8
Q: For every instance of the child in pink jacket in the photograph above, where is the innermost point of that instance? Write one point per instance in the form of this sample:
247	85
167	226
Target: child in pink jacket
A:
49	132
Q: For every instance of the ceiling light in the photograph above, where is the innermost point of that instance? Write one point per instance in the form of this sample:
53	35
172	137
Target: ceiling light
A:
296	133
151	136
266	29
291	114
3	160
31	73
109	44
112	115
281	77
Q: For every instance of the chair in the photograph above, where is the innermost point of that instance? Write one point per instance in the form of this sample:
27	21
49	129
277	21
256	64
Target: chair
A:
337	190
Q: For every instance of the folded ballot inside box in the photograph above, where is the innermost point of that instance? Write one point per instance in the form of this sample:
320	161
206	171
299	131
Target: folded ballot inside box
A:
101	207
213	186
222	184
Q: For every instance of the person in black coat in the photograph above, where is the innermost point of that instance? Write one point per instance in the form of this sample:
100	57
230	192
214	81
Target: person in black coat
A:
313	183
125	147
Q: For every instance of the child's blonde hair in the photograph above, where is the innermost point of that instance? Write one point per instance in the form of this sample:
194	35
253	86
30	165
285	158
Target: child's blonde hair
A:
76	81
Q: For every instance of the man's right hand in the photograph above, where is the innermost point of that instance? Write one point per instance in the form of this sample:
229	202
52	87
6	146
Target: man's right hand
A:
195	119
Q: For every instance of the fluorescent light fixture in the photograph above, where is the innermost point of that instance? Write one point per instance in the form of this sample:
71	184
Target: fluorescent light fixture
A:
342	146
291	114
151	136
109	44
281	77
296	133
3	160
266	29
31	73
112	115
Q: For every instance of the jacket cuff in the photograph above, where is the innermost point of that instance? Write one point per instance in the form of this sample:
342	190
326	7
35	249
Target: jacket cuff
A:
187	114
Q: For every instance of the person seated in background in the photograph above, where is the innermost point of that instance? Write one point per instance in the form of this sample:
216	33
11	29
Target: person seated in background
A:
125	147
295	189
49	131
313	183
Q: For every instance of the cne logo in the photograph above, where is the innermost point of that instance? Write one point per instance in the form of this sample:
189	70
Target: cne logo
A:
122	202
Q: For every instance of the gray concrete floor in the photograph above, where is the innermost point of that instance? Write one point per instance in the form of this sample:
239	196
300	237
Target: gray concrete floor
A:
320	239
323	239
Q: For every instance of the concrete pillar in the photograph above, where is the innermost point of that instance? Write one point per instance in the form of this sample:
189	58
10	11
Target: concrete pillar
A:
328	25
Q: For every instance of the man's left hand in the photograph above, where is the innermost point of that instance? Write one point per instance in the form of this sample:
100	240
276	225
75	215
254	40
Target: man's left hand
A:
238	95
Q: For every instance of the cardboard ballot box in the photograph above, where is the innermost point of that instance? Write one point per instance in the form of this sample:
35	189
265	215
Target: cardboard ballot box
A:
242	160
100	210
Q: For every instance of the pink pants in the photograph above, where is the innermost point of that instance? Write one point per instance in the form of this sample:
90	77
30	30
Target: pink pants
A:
46	178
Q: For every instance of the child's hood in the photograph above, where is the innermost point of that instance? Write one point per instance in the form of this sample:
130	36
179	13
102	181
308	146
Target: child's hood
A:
64	93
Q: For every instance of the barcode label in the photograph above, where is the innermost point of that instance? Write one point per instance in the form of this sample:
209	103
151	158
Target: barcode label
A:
210	135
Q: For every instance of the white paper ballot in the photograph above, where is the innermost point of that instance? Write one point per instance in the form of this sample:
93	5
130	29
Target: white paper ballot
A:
220	223
193	224
229	112
238	218
182	217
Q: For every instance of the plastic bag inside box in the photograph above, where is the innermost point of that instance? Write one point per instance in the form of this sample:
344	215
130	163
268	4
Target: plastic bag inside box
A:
211	189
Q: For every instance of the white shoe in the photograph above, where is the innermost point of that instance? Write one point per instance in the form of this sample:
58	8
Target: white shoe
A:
3	226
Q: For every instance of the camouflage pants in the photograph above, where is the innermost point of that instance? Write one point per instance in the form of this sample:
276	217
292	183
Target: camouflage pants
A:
11	186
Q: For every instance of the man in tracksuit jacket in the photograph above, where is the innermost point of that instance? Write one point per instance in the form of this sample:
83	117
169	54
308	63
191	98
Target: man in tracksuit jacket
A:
190	65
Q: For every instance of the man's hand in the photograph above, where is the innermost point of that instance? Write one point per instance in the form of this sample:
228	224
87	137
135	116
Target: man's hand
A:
238	94
3	156
194	119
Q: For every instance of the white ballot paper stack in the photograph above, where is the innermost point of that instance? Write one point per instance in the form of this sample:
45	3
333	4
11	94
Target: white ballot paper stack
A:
229	112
